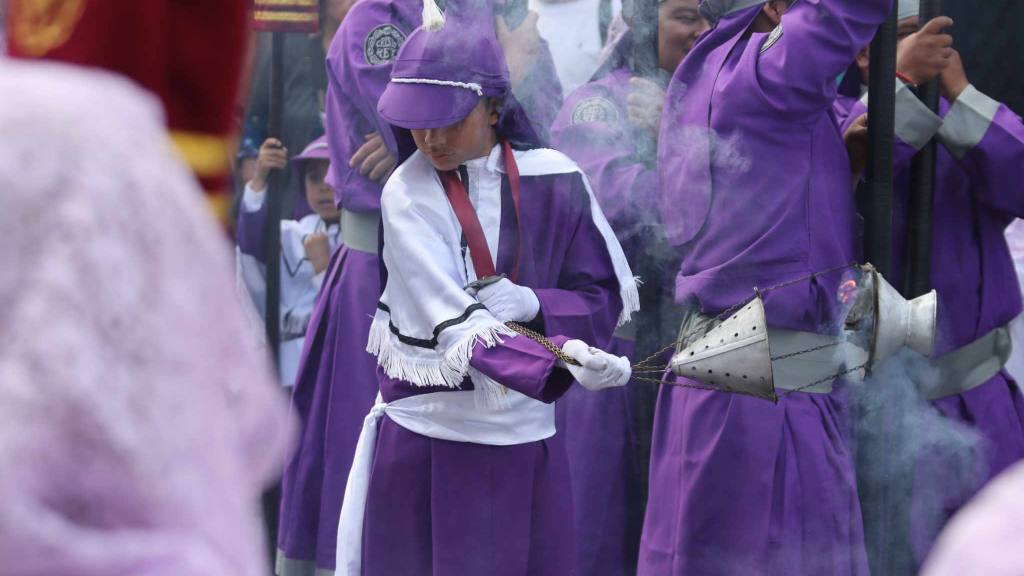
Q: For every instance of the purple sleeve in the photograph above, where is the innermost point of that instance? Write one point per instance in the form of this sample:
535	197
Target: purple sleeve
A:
541	93
250	232
604	148
988	140
525	366
799	61
353	88
586	303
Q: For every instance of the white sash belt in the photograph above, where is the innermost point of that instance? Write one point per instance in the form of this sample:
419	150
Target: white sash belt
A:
450	416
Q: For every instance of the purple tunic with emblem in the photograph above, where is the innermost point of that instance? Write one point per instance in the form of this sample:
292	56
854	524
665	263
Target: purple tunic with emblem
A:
460	508
600	430
337	382
755	189
977	195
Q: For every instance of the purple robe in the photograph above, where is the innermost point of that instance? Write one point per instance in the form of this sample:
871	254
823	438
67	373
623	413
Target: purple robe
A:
337	382
755	189
463	508
600	430
977	195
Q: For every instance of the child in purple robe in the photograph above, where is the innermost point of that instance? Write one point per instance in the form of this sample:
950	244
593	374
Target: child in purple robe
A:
336	382
979	167
754	190
459	469
610	127
306	247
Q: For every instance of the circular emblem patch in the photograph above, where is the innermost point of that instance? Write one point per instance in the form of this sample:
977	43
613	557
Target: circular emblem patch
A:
38	26
595	109
382	44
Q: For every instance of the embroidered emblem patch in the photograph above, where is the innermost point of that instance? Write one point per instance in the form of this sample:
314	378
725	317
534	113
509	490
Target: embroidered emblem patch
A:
382	44
772	39
595	109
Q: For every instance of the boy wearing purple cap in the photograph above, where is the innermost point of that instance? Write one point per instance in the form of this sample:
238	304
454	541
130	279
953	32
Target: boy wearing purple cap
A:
466	473
306	245
609	126
979	167
336	383
754	189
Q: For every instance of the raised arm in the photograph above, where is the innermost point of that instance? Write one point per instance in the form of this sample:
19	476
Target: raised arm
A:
535	82
252	218
797	64
987	138
358	70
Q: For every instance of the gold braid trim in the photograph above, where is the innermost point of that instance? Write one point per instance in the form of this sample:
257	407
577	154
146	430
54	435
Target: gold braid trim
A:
207	154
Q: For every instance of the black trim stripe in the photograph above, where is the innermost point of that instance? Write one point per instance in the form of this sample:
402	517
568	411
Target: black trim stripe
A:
432	343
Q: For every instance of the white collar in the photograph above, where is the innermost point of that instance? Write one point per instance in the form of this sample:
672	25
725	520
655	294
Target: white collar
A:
492	162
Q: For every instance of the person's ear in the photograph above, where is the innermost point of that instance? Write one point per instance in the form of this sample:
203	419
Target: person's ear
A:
492	111
863	62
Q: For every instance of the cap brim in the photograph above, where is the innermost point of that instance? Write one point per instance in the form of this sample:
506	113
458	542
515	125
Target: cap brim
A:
423	106
316	154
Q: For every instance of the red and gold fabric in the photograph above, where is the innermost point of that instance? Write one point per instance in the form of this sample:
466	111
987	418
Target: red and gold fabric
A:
286	15
189	53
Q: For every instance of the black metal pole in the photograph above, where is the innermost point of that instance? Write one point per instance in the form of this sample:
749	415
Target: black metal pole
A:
275	196
272	248
881	130
917	278
881	491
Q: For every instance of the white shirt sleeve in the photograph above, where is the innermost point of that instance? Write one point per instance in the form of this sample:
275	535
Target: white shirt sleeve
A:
252	200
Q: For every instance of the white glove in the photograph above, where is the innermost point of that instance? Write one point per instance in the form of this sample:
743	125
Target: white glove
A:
509	302
599	369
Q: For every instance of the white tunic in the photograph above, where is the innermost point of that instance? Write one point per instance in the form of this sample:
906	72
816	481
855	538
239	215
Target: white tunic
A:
299	281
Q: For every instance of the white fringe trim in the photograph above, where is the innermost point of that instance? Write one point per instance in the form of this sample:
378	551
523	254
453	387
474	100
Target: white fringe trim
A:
487	393
630	295
433	19
436	369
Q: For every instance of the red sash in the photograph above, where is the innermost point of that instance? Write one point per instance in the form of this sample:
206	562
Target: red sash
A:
483	264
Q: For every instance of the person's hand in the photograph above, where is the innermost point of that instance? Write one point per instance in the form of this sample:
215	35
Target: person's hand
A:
318	250
599	369
521	46
644	102
509	302
856	140
273	156
953	80
373	159
926	53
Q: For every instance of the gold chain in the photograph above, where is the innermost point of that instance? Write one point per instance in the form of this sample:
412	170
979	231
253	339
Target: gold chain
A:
543	341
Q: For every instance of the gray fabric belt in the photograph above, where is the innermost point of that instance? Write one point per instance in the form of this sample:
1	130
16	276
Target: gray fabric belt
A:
359	230
971	366
286	566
